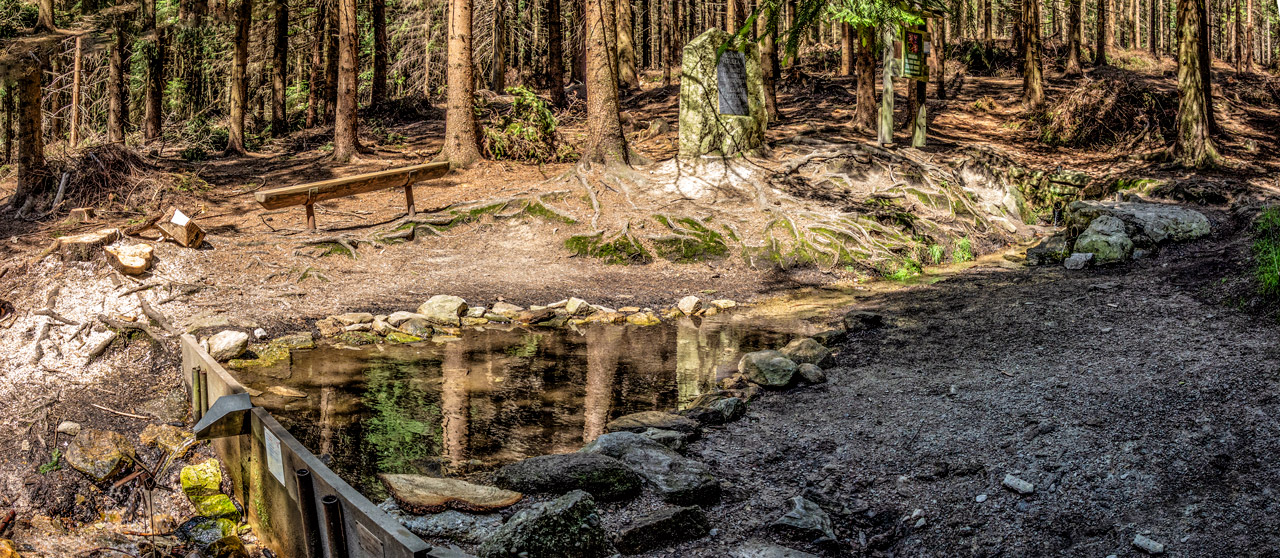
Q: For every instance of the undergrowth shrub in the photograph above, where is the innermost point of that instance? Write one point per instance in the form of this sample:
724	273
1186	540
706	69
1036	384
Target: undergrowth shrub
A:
15	16
525	130
1266	250
1114	110
981	59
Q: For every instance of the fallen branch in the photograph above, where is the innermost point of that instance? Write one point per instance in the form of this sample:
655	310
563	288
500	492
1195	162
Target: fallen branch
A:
48	312
120	325
121	413
155	315
37	351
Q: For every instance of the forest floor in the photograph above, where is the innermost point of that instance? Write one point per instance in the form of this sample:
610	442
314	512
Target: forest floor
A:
1136	398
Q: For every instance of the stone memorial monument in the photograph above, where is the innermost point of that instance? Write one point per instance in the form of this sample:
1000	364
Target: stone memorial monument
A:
722	108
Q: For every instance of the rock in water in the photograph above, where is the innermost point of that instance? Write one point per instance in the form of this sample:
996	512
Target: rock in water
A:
807	520
100	454
606	478
134	259
757	549
677	479
663	528
506	309
453	525
417	327
397	318
566	526
690	305
576	306
1077	261
1106	240
767	368
808	351
639	422
353	318
229	344
84	247
444	309
422	495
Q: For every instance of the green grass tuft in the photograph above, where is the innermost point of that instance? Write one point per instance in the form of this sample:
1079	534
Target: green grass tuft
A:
1266	250
963	252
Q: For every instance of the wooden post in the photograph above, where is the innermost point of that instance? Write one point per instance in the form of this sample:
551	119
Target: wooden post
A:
920	124
311	217
75	93
408	199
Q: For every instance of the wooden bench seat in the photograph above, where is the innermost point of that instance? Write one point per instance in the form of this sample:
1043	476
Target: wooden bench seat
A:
308	194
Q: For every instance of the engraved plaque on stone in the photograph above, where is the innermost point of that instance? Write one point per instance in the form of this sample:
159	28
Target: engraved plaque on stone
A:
731	80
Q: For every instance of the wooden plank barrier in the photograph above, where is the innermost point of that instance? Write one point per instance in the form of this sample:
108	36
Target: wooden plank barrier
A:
308	194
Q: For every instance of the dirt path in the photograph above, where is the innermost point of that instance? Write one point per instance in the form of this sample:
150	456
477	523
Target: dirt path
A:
1132	403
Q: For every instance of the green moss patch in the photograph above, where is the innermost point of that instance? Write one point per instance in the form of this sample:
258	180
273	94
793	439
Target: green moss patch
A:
621	249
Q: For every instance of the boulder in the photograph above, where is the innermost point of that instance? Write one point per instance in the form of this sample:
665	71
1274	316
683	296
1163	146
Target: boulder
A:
757	549
532	316
808	351
712	123
1077	261
398	318
100	454
353	318
420	495
606	478
134	259
670	438
677	479
229	344
806	521
713	409
202	483
1050	250
566	526
1106	240
168	438
639	422
577	307
811	374
444	309
662	528
1144	222
767	368
453	525
861	320
84	247
831	337
203	532
506	309
417	327
690	305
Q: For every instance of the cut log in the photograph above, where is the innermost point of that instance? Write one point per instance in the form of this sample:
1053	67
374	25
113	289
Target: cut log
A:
307	194
181	229
83	247
134	259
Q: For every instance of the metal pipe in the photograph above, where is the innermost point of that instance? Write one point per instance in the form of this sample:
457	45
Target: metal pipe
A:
197	406
307	501
204	391
334	526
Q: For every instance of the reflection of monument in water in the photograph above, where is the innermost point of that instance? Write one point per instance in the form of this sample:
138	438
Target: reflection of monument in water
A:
702	351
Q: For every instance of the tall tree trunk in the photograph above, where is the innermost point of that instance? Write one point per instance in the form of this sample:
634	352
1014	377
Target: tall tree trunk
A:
1237	54
1135	20
1153	30
605	141
1105	32
769	63
864	114
579	68
884	122
346	142
1074	35
315	87
1205	61
1193	147
331	63
846	49
44	18
461	147
938	56
1032	77
155	72
627	76
32	179
734	16
1248	36
668	40
378	89
239	81
75	92
6	105
498	62
986	22
116	93
280	69
555	54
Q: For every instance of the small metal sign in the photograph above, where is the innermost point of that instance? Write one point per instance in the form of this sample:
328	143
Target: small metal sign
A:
731	80
275	463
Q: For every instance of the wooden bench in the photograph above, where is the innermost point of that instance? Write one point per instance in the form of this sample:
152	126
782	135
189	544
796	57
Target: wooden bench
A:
309	194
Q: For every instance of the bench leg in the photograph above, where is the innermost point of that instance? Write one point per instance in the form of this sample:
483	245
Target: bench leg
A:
408	199
311	217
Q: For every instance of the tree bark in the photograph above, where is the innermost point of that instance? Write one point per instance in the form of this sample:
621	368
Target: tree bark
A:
846	49
579	67
555	54
498	41
1193	147
605	141
884	129
668	41
1074	35
938	56
75	92
280	69
314	85
1153	29
6	105
461	147
378	89
986	22
1248	36
44	19
1032	77
1106	37
864	114
628	78
155	73
239	81
769	63
32	178
331	63
1204	62
346	142
116	90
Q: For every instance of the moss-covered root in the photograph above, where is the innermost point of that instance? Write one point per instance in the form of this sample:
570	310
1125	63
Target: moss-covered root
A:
619	248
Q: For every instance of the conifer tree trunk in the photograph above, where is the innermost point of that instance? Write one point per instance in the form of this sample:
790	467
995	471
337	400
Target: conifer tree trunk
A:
555	54
986	22
280	69
239	80
75	92
32	179
938	56
315	87
44	18
378	89
155	73
864	114
461	147
1193	146
884	121
628	78
498	40
1106	37
1074	35
1153	30
605	141
1248	36
769	63
331	63
116	100
846	49
6	105
1204	62
346	143
1032	77
668	39
579	66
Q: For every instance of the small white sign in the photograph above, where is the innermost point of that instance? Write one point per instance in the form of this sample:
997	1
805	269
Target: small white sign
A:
180	219
274	463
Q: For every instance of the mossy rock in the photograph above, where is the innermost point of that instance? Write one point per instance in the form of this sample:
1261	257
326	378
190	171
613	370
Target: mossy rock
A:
619	250
269	355
359	338
202	483
399	338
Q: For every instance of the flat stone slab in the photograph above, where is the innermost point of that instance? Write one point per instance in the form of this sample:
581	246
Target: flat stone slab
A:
677	479
606	478
663	528
421	495
100	454
639	422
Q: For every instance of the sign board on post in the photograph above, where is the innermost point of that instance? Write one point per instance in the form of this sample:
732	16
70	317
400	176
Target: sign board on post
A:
913	55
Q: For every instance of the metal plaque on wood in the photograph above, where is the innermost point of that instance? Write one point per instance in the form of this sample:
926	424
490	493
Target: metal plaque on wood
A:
275	461
731	80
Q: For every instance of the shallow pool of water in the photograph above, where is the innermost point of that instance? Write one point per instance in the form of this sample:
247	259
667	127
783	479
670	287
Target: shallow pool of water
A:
494	396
